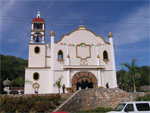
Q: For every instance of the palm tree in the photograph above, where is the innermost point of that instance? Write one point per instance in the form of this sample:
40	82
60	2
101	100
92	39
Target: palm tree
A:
58	84
132	71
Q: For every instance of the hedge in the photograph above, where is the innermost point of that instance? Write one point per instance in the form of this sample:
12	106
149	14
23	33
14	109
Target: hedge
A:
34	103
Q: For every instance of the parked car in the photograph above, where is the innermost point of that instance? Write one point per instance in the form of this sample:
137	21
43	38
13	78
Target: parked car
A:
133	107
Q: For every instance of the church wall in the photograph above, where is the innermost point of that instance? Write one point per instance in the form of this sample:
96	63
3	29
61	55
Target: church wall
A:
59	64
108	65
84	36
47	61
44	79
36	59
47	55
73	59
76	61
107	78
58	74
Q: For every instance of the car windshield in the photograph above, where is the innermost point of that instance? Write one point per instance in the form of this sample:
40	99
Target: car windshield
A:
120	107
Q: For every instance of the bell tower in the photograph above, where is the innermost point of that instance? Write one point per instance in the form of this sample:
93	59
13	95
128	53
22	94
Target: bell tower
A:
37	44
37	72
38	30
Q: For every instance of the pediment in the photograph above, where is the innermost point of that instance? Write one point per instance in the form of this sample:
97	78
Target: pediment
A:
81	35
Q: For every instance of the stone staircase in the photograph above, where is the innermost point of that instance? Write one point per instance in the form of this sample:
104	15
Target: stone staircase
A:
91	98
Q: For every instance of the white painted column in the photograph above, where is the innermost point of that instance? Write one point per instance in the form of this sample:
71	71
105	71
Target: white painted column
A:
43	27
99	71
32	27
68	56
98	58
31	41
52	63
43	40
102	78
68	71
99	78
113	60
68	79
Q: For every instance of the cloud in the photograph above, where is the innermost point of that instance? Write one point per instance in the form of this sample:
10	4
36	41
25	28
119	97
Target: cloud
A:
134	27
133	50
6	6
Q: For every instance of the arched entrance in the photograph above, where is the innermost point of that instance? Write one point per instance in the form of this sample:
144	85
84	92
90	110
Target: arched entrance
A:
83	80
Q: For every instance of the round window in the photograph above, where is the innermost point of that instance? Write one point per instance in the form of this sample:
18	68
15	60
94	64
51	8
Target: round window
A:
36	76
37	49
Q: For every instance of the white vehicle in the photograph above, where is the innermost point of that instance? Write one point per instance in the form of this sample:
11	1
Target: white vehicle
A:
133	107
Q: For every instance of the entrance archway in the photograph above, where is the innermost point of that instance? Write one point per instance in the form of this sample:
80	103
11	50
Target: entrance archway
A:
83	80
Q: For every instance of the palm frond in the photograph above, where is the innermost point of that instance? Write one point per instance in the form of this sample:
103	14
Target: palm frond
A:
58	82
133	63
127	65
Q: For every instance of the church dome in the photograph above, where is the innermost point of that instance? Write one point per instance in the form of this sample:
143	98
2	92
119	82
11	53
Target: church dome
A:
38	20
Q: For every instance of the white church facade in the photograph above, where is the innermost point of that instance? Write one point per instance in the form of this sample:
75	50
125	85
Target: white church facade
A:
82	59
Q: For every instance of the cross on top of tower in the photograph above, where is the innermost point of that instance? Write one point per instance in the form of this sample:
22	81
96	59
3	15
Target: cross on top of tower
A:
38	14
81	22
81	26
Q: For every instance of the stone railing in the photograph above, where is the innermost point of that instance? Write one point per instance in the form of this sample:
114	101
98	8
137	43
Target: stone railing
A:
19	90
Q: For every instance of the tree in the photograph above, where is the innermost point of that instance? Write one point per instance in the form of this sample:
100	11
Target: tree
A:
19	81
144	71
123	80
58	84
11	67
132	71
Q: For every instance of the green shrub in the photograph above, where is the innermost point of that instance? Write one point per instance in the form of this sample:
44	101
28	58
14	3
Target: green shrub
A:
32	103
42	106
8	104
144	98
22	108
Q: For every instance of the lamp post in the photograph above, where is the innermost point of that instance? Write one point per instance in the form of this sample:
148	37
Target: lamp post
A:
7	83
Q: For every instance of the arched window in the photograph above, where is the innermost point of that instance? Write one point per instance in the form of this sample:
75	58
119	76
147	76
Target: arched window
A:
105	55
36	49
60	55
38	26
36	76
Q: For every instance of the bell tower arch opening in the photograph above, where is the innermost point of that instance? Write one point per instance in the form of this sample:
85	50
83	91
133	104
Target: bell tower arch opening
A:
83	80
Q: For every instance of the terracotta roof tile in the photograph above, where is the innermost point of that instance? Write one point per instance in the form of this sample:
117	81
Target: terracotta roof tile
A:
38	20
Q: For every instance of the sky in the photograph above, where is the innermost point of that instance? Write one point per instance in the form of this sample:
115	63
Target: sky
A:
128	20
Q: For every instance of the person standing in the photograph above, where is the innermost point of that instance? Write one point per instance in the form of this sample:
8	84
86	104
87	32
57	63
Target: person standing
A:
36	90
63	88
107	85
